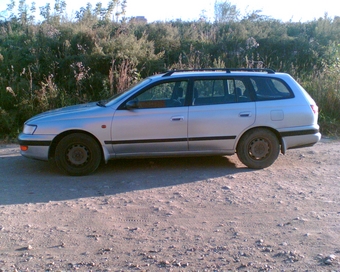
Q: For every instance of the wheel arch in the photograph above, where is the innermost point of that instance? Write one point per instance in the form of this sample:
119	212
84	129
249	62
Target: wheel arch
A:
277	134
60	136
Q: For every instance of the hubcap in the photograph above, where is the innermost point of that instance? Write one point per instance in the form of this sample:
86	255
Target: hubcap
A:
78	155
259	149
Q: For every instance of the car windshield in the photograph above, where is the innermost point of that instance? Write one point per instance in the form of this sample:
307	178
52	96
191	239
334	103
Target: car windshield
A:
120	96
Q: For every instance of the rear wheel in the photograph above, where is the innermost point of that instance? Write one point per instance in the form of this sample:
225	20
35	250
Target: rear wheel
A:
78	154
258	148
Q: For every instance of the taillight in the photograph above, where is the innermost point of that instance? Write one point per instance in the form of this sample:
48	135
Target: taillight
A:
315	108
23	147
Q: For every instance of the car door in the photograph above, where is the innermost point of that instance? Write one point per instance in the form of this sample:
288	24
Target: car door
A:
153	122
221	110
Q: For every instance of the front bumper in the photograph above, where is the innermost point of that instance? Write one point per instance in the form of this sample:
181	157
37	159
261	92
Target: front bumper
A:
35	146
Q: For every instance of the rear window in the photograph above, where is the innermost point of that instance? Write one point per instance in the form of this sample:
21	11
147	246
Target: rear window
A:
270	89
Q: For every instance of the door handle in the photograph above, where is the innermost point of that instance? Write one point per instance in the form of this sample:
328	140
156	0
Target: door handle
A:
245	114
177	118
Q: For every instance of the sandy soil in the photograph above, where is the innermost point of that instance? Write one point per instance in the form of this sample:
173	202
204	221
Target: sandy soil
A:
187	214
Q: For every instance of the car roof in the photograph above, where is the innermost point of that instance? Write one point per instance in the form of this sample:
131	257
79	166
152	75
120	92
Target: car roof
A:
215	72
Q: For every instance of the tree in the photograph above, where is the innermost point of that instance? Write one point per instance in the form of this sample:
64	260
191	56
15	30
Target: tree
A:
23	12
46	12
225	12
59	9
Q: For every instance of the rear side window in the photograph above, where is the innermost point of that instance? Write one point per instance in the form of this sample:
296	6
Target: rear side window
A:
270	89
210	91
221	91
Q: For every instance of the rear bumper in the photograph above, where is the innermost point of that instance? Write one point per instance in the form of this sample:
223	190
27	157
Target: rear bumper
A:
35	146
301	138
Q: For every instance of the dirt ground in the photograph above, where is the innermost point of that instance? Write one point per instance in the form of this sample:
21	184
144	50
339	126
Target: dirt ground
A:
184	214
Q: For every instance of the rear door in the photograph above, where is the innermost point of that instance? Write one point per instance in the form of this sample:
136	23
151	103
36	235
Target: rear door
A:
157	124
221	109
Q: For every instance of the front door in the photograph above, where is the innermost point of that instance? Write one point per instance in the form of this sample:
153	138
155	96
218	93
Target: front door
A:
156	124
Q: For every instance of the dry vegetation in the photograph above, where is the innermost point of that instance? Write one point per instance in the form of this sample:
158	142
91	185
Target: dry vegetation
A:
62	61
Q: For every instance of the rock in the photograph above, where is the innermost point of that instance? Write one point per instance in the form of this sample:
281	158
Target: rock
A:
332	257
164	263
329	260
259	242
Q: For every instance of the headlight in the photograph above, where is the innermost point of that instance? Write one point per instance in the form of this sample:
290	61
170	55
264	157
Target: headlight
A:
29	129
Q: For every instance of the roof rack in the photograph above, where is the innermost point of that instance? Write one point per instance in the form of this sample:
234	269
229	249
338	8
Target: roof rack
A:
227	70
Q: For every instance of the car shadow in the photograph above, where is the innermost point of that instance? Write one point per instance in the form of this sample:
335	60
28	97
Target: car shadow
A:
29	181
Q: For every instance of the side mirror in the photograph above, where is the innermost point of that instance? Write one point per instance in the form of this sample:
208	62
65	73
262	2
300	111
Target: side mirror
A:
132	104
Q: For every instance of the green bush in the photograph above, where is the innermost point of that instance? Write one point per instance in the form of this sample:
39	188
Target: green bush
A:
59	62
6	125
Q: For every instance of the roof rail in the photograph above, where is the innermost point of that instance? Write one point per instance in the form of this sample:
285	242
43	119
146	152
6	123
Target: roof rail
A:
269	71
227	70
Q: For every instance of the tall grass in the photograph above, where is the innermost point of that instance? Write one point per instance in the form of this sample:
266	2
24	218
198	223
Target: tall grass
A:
324	87
55	64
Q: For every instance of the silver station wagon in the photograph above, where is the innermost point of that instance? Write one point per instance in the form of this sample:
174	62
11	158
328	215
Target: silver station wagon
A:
256	113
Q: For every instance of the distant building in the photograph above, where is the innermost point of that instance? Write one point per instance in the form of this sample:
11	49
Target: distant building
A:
139	19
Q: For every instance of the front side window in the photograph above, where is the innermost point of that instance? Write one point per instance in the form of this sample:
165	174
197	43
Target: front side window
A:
163	95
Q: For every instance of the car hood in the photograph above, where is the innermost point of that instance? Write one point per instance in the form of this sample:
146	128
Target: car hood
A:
69	112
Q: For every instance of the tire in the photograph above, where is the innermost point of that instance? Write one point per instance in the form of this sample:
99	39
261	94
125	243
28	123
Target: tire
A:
77	154
258	148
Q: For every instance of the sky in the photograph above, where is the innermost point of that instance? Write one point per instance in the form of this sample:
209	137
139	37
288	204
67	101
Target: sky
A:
190	10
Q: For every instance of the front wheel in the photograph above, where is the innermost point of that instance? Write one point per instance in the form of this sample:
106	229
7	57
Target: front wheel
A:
258	148
78	154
